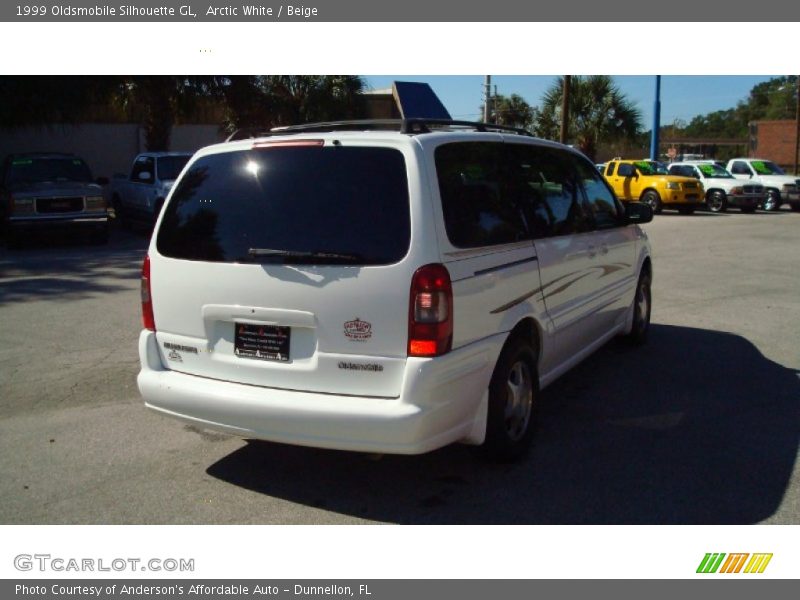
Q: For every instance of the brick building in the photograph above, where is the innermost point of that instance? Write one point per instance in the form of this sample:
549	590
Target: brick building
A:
774	140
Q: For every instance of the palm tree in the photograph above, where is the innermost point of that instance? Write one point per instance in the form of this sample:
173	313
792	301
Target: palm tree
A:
244	102
599	113
158	100
270	100
310	98
44	101
512	111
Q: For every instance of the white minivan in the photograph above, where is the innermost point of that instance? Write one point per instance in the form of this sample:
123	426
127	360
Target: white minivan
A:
385	286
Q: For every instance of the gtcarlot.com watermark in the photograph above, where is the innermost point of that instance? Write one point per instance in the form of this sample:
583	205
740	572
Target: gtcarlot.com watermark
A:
59	564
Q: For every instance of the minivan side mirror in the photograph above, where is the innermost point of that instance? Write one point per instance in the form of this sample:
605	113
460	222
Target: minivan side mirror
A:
638	213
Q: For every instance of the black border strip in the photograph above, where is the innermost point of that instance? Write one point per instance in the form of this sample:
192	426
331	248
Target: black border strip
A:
513	303
506	265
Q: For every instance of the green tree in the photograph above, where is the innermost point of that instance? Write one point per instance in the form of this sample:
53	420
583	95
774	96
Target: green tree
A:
599	113
158	100
246	104
512	111
273	100
773	99
155	101
310	98
51	99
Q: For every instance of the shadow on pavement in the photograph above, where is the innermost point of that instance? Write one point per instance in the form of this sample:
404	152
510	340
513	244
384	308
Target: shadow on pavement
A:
63	267
697	427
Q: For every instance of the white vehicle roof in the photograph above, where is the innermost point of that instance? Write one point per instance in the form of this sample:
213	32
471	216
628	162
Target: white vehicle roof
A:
395	132
752	158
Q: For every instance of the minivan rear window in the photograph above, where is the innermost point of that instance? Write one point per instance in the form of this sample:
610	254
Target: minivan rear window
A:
308	204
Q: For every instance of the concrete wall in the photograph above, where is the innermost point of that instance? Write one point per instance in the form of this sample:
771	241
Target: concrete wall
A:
107	148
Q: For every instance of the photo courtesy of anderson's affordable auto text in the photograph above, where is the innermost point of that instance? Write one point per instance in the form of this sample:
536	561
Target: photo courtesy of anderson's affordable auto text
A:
235	297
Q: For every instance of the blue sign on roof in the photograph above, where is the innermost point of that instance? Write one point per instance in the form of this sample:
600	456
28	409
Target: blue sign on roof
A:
418	101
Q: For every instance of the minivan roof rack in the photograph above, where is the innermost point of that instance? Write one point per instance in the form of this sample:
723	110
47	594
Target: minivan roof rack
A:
407	126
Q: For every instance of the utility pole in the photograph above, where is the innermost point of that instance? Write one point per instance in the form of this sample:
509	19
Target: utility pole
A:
565	109
656	121
487	98
797	129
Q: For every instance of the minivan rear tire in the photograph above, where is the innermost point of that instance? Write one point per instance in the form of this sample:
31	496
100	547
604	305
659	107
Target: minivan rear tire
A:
513	402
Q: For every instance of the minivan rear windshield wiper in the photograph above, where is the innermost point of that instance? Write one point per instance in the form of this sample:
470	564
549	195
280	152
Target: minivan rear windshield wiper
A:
262	252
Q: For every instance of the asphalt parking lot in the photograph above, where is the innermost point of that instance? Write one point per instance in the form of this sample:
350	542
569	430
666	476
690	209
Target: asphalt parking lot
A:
698	427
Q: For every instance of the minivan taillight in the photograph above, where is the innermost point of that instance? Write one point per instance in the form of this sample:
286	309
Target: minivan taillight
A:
430	316
148	319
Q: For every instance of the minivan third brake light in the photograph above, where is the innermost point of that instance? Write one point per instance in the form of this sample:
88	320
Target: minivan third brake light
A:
288	143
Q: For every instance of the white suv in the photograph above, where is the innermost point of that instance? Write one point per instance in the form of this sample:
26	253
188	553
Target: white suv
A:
347	286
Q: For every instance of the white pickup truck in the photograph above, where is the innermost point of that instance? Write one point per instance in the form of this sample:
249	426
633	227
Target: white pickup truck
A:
780	187
723	190
140	195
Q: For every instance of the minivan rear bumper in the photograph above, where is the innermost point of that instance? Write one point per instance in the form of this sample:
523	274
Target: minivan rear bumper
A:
443	400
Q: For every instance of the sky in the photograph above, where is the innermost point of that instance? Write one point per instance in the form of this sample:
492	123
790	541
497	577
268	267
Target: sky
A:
682	96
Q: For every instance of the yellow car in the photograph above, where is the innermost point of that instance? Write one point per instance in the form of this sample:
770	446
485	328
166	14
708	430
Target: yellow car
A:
637	180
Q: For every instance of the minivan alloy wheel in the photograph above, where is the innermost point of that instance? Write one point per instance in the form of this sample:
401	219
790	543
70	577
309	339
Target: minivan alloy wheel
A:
520	400
641	310
513	392
642	306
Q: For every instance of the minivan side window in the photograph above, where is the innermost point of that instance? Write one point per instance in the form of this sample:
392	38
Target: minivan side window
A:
544	184
604	207
476	212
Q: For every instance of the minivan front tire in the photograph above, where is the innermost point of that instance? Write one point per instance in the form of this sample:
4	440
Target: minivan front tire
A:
513	399
642	306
